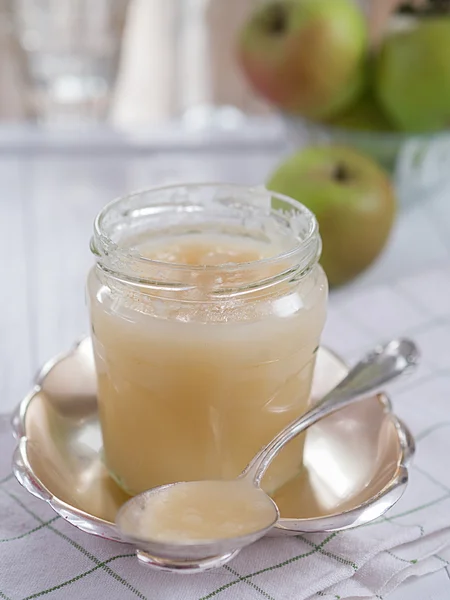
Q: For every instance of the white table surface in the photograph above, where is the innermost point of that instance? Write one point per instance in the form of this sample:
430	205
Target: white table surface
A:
52	184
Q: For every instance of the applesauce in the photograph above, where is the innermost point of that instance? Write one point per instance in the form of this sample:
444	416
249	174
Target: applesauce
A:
207	304
202	510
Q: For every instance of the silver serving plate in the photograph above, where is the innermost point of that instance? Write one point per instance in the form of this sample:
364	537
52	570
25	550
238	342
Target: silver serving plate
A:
355	461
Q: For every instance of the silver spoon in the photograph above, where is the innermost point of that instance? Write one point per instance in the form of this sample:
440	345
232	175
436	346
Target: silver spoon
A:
198	553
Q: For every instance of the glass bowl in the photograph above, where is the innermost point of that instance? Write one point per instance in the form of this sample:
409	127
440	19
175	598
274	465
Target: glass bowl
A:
419	164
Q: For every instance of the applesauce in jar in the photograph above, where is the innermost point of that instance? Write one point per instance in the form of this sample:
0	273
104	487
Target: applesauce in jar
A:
207	304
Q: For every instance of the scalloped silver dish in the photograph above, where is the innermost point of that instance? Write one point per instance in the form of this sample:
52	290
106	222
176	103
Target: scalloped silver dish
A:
355	461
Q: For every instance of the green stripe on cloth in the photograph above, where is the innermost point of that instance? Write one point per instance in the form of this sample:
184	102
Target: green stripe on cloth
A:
243	578
418	508
410	562
420	527
24	506
81	576
250	583
432	479
339	559
426	432
7	478
79	548
27	533
408	512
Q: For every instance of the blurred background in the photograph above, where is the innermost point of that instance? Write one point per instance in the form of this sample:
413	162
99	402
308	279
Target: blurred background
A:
152	68
125	62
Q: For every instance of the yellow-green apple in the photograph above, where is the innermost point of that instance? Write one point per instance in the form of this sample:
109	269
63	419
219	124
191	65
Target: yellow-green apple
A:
352	198
413	75
305	56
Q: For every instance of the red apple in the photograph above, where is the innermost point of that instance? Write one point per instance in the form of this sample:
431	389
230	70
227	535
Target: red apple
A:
306	56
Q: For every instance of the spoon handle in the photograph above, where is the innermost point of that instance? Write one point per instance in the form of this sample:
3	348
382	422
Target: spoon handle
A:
377	368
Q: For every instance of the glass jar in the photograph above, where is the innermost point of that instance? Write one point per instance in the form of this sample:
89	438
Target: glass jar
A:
207	304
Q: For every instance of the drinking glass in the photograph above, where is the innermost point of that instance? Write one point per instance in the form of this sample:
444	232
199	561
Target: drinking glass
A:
72	49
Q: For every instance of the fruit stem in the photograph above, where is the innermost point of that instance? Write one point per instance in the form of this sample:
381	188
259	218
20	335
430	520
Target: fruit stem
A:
425	8
341	173
276	19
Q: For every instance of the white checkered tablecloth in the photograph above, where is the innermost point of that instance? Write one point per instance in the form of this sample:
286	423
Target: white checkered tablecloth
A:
43	556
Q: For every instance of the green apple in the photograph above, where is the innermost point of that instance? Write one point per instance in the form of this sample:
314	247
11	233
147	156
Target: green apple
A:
413	75
306	56
352	198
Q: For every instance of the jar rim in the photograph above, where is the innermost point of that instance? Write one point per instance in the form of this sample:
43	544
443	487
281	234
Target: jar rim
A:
103	243
305	251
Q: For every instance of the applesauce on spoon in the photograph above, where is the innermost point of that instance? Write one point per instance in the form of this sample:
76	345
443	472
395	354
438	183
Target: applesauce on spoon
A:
206	313
203	510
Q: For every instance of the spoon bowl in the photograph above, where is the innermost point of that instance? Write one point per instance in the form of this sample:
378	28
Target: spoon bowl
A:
131	519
